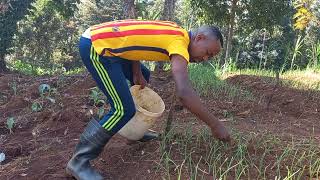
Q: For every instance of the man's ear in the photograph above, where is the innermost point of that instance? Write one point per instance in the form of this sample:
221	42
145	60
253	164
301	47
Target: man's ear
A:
200	36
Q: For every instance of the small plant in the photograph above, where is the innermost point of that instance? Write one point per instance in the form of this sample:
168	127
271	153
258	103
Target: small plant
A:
100	112
44	90
36	107
96	97
10	124
14	87
61	80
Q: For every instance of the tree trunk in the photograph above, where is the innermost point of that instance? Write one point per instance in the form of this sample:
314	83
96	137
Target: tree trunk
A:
167	15
230	31
129	11
168	10
3	67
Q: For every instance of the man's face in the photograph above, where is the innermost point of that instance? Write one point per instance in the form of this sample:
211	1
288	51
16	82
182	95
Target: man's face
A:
203	48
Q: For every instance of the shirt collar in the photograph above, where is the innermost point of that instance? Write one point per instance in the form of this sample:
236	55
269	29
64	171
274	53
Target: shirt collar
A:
189	33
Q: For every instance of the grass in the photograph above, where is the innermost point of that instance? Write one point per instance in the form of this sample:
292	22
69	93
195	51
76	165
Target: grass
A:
307	79
189	153
208	82
25	68
252	156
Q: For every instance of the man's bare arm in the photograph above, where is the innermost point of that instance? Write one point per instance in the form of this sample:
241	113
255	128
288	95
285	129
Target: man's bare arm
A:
191	100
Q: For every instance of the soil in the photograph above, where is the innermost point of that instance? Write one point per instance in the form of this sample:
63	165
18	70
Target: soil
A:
42	142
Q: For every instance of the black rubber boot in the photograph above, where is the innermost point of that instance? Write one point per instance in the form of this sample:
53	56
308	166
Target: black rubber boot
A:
148	136
92	142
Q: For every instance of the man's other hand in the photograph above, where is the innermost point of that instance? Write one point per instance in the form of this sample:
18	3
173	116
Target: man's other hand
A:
138	79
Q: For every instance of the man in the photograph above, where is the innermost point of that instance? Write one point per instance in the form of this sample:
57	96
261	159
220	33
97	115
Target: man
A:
111	52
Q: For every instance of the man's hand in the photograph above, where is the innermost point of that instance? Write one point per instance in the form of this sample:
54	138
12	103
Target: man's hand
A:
138	79
220	132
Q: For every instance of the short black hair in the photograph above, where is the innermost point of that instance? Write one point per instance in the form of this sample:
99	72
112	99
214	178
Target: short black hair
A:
217	33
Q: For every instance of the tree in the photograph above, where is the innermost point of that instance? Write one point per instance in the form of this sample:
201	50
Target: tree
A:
167	15
239	18
91	12
128	9
168	10
148	10
46	36
11	11
230	30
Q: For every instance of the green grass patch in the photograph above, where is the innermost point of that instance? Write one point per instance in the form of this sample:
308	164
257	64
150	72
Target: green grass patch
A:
207	82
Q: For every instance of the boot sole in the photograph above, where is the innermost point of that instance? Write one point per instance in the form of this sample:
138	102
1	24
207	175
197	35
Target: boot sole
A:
71	173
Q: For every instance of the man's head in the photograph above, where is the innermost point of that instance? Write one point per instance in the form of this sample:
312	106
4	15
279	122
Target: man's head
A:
205	43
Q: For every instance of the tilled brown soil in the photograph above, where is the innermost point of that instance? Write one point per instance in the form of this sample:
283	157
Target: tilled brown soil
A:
42	142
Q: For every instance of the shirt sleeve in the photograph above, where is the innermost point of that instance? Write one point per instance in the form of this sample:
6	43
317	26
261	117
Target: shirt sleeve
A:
180	47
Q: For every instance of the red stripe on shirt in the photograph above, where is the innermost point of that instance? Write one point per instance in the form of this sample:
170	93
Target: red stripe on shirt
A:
126	23
116	34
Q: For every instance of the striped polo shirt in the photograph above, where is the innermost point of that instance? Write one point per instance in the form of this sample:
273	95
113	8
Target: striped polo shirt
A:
140	40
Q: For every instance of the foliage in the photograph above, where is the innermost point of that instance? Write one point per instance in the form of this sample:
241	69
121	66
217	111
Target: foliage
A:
61	23
45	39
11	11
253	20
307	13
45	92
97	97
260	50
314	55
250	15
64	7
187	15
91	12
36	107
296	50
148	9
